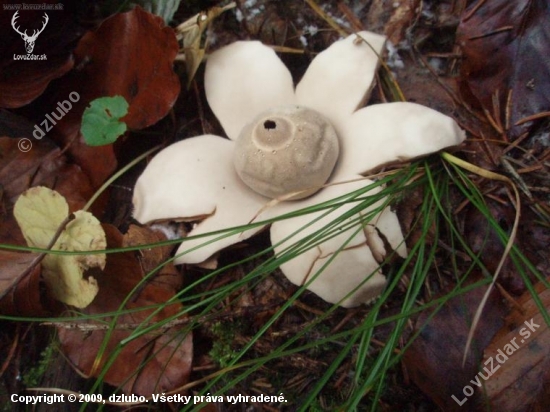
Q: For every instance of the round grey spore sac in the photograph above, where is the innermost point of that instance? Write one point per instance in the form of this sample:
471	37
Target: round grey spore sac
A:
285	150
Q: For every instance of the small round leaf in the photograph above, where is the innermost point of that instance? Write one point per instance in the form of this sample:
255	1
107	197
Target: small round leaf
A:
101	123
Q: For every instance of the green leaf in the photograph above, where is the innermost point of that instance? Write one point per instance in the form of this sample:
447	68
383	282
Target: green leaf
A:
101	123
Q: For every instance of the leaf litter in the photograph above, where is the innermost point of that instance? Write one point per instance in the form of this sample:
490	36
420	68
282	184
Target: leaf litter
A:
121	56
150	363
502	43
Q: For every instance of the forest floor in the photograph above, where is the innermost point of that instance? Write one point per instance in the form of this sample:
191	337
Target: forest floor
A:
477	221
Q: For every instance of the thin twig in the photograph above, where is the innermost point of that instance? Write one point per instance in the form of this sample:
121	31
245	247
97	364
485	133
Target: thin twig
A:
39	257
88	327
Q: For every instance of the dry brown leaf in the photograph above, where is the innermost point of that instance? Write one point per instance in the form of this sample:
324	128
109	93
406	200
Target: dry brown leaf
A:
434	360
13	265
43	165
502	43
518	359
158	361
20	287
141	235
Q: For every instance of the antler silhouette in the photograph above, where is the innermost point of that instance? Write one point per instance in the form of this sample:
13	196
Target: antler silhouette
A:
29	40
15	16
43	26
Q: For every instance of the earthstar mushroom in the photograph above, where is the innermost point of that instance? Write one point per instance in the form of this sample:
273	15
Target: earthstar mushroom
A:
221	183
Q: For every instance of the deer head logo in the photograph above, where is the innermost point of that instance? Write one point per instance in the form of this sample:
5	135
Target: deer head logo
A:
29	40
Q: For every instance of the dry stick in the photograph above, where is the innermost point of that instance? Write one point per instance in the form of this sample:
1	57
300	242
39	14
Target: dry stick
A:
86	327
325	16
494	176
352	18
537	116
508	109
521	183
496	31
473	11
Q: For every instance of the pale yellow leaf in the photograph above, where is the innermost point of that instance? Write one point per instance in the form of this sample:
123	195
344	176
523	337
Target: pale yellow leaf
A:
39	212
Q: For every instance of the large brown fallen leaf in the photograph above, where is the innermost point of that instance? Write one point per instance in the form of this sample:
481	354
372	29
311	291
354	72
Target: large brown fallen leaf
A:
155	362
519	359
43	165
131	54
504	44
434	359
